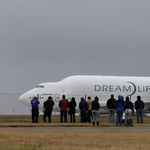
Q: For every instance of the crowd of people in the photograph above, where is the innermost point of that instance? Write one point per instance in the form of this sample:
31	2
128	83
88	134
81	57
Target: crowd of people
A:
120	107
89	110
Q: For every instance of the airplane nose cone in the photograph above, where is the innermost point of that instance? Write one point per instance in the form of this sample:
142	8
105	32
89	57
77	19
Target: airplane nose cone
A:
21	98
24	99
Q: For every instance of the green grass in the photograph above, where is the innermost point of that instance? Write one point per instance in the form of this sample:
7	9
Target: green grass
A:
54	119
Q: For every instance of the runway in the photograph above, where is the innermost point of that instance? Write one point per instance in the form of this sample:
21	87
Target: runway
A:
139	128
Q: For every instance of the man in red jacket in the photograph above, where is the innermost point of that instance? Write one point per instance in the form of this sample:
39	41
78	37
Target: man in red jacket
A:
63	104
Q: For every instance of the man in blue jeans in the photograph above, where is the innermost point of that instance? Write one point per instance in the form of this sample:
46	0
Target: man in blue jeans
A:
63	104
112	109
120	104
139	106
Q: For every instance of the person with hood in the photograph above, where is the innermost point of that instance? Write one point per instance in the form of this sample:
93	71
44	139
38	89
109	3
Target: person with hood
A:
119	104
35	109
129	105
83	110
112	109
63	105
72	110
95	110
139	106
48	105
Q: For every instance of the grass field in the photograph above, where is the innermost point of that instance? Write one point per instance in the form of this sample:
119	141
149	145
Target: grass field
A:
68	139
26	119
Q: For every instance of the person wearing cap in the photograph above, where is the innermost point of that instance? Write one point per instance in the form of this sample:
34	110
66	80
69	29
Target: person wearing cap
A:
139	106
95	110
35	109
48	105
119	104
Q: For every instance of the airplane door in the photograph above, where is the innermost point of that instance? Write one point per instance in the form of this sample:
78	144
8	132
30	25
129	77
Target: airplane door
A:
57	97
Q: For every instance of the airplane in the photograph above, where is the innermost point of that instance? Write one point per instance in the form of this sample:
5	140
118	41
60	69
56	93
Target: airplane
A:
89	85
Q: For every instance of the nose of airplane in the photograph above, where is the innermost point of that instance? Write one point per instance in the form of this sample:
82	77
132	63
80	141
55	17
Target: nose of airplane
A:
22	98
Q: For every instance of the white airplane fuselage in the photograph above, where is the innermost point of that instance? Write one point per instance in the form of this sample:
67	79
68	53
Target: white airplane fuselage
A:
84	86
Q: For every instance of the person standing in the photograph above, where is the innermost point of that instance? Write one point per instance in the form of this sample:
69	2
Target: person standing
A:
95	110
72	110
89	102
83	110
129	104
35	109
48	105
63	105
112	109
119	104
139	106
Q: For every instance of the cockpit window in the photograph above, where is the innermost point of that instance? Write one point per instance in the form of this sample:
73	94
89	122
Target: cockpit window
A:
40	86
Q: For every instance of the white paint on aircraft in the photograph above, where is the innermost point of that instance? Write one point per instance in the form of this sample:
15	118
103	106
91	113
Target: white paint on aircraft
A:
84	86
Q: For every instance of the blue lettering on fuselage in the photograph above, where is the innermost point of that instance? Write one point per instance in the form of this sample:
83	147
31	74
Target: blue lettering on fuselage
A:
131	89
147	88
118	88
47	94
111	88
105	88
97	88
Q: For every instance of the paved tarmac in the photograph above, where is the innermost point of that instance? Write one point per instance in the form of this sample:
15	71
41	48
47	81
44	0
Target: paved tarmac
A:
84	128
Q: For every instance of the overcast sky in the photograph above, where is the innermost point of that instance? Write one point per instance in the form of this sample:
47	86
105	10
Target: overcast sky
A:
48	40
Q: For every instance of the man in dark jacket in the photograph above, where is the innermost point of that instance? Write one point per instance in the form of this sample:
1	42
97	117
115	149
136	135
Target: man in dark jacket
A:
83	106
48	105
139	106
95	110
35	109
112	109
129	104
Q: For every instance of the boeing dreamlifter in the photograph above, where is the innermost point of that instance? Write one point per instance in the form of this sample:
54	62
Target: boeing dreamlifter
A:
83	86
